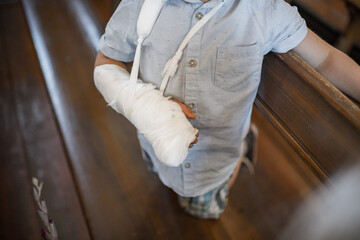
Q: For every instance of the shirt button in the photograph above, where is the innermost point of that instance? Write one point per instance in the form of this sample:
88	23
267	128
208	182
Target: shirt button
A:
199	16
187	165
191	105
192	63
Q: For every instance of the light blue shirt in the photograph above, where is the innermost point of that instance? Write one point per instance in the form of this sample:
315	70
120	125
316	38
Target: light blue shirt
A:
218	75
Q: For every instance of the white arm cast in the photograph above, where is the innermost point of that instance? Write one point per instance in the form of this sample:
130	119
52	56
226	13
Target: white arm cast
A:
161	121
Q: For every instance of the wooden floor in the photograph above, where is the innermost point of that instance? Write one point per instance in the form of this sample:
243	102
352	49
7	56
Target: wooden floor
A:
56	127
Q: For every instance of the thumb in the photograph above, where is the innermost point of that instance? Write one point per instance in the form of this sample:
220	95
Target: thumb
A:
188	113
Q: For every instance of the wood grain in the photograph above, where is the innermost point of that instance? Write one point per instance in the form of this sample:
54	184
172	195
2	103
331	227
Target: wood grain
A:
316	116
46	157
103	9
18	216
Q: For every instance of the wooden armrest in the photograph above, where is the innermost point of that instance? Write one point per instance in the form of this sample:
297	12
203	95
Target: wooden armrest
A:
320	122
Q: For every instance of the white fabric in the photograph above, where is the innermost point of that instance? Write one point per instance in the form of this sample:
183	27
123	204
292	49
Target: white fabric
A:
146	21
148	16
161	121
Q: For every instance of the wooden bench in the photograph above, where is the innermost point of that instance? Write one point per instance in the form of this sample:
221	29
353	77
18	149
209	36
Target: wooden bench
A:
102	190
31	143
320	122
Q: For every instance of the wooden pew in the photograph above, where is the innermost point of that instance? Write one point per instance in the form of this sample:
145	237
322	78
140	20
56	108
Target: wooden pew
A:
30	143
320	122
119	198
351	36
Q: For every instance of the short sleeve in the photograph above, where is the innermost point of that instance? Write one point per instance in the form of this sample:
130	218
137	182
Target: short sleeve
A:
286	27
119	40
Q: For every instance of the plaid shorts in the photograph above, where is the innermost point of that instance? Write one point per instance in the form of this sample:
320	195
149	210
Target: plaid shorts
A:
207	206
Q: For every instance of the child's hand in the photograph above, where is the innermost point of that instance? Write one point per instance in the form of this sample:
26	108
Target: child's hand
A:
189	114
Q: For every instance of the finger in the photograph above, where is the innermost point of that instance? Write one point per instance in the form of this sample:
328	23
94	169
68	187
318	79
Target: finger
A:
188	113
195	141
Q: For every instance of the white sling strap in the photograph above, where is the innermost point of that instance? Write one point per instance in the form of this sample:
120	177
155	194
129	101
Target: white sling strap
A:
146	21
149	13
173	63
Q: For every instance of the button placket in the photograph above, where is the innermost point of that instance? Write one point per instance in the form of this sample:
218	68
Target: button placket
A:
191	55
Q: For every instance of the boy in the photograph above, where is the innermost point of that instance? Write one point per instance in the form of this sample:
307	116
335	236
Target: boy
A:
217	80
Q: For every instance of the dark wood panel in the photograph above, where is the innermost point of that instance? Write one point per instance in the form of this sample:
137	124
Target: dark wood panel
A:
18	217
45	153
355	53
104	9
333	13
321	122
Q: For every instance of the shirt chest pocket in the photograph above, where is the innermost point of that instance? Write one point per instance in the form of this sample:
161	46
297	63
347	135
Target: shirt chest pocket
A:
237	67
